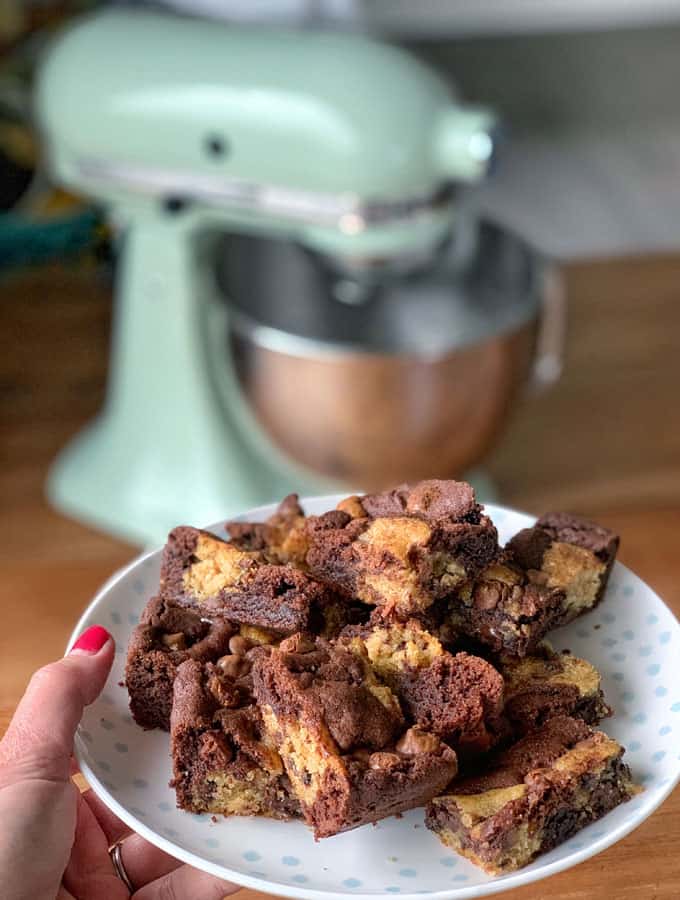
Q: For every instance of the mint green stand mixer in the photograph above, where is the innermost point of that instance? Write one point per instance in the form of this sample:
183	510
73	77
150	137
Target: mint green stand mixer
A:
184	130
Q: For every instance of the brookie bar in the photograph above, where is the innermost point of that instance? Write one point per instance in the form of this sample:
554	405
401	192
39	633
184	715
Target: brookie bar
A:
223	761
341	735
166	636
202	571
402	549
569	554
533	796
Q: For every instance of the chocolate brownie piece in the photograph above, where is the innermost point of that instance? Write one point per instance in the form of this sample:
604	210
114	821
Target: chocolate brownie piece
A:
282	537
549	684
505	608
534	796
410	546
166	636
202	571
223	760
457	697
341	734
568	553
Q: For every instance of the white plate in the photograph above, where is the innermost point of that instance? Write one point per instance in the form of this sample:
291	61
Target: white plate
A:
632	638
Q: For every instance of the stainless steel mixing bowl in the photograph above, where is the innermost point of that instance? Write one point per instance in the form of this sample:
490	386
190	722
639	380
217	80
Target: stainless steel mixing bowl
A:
376	376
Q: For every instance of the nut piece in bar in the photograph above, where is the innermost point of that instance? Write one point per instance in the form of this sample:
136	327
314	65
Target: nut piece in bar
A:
549	684
200	570
166	636
457	697
411	547
341	735
570	554
282	538
505	609
534	796
223	761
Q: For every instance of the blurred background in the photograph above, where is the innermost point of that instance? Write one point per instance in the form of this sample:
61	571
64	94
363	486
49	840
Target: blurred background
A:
345	293
248	248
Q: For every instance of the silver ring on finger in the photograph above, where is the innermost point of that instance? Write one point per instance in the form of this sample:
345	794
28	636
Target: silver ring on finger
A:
116	855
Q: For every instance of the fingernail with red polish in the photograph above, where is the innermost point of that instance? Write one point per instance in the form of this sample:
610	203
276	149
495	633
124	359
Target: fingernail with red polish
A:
91	640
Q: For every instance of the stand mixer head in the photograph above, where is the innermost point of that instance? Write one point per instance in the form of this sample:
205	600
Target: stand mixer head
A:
344	144
185	129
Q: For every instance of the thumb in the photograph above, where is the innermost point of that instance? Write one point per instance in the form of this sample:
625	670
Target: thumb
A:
39	740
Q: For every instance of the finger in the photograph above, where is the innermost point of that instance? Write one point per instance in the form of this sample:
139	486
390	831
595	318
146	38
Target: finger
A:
186	882
90	872
39	740
145	863
110	824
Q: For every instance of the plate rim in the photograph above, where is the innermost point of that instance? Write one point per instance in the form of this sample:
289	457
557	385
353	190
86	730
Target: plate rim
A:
300	892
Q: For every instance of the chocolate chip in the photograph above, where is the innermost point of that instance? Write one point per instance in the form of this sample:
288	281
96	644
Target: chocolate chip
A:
239	645
487	595
234	666
383	761
175	641
414	742
215	750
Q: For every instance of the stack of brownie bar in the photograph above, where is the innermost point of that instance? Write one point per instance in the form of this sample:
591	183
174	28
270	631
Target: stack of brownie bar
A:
384	656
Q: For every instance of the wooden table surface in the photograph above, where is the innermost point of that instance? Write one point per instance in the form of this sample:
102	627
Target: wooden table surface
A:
51	379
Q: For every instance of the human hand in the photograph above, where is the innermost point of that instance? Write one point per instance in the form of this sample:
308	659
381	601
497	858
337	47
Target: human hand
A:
54	841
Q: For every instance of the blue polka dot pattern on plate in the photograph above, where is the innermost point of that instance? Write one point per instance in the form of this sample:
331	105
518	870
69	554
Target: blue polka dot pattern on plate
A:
408	873
645	651
115	618
627	590
640	718
627	696
628	635
290	861
582	632
103	765
652	619
133	618
460	878
140	783
665	730
634	746
300	879
392	889
609	618
351	883
653	670
120	747
213	843
618	656
448	861
609	642
664	637
164	806
106	724
86	736
251	856
675	707
618	676
658	756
